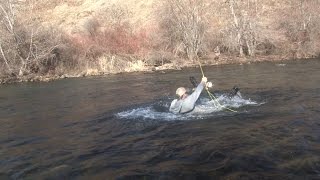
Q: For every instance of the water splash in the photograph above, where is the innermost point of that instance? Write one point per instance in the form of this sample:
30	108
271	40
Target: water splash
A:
204	108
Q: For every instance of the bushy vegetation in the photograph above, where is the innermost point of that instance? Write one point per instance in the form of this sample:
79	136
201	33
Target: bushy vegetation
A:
177	31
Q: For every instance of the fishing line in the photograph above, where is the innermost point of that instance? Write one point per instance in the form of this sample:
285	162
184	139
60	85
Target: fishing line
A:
213	98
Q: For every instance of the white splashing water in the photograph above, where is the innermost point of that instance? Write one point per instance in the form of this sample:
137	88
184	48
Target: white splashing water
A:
204	108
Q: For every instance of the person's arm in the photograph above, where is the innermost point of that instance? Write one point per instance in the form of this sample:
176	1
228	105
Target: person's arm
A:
195	95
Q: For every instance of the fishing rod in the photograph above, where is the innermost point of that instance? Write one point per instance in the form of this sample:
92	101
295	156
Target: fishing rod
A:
195	83
212	96
233	92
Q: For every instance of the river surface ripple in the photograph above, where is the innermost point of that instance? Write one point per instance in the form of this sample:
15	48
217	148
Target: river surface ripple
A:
75	128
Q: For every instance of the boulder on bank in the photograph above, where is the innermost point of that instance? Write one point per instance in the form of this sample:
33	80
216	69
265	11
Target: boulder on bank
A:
169	66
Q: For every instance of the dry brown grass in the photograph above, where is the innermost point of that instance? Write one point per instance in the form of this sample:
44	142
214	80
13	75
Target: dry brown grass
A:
116	64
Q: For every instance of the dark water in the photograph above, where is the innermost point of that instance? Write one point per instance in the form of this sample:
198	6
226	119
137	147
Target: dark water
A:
71	129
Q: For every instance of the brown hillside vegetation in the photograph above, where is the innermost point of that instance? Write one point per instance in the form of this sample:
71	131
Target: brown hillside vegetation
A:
44	39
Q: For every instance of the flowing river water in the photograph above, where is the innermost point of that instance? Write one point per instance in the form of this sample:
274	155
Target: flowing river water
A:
119	127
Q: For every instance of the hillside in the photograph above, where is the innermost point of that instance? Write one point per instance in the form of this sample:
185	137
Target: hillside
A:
72	16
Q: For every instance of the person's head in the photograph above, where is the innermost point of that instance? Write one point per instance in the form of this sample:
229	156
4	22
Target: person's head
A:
181	91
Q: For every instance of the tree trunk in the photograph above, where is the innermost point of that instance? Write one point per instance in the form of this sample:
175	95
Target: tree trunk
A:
5	59
238	28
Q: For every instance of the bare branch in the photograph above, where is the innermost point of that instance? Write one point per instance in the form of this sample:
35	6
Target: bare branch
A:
4	58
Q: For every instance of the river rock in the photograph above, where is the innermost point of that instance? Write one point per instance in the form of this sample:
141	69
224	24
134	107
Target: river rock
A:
178	68
82	74
63	76
46	79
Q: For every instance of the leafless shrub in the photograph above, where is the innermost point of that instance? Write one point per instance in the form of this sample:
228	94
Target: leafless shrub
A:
265	48
25	48
91	26
243	29
184	25
301	27
111	32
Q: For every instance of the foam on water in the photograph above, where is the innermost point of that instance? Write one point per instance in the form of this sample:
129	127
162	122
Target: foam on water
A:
205	108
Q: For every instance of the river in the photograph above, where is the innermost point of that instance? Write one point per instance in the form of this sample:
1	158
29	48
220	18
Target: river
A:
119	127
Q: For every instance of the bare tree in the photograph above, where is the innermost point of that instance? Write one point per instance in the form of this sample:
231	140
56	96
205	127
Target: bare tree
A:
7	16
5	59
23	46
244	15
301	26
184	24
237	26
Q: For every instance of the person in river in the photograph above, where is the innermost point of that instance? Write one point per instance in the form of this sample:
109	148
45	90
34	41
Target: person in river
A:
186	103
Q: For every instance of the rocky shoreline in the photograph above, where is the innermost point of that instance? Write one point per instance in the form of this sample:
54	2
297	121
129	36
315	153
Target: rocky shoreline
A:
168	66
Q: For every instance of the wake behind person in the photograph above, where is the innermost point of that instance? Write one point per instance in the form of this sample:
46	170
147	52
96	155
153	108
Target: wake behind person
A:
186	103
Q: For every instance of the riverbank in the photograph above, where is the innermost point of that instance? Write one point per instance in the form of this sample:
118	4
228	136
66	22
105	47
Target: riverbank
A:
178	64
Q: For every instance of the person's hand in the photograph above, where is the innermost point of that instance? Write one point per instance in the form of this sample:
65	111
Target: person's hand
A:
209	84
204	80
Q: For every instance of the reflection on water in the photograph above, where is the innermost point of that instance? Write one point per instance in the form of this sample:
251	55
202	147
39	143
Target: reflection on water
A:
119	127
